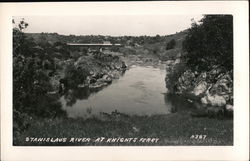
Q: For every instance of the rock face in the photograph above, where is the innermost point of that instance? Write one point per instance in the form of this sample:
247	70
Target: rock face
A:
93	70
229	108
107	78
185	82
200	88
214	88
214	100
102	69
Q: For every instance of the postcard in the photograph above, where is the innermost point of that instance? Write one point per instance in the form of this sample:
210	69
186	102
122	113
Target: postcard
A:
124	81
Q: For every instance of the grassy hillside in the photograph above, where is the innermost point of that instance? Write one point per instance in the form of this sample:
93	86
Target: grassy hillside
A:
177	50
132	45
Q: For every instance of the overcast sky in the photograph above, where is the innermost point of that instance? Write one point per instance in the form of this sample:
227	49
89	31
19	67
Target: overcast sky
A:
119	25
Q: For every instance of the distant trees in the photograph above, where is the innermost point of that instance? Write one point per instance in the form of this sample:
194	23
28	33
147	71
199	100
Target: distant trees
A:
157	38
210	43
171	44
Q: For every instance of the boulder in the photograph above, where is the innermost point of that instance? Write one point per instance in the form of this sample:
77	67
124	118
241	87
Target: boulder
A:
177	61
107	78
200	88
185	82
214	100
229	108
204	100
222	87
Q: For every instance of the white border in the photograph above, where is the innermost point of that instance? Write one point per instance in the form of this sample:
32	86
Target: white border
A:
239	151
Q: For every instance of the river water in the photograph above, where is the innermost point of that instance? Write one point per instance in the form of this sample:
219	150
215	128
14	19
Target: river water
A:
140	91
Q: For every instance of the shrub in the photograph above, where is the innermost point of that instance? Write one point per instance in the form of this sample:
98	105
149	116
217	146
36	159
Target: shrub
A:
171	44
75	76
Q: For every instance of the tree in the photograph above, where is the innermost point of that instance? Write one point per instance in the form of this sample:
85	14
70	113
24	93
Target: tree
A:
157	38
30	82
171	44
210	43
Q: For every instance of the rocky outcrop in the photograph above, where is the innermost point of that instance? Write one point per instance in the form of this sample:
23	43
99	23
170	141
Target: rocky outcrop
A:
93	71
102	69
185	82
200	88
214	89
214	100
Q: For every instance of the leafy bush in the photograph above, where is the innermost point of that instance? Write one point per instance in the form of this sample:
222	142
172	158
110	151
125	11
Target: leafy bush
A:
210	43
171	44
75	76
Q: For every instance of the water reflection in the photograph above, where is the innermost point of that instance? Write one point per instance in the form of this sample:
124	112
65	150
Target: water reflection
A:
139	92
72	95
179	104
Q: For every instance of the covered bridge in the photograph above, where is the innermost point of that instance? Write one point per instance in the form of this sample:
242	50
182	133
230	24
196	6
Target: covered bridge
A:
92	46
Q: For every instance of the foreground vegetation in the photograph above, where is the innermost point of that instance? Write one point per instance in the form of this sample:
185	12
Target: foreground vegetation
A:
173	129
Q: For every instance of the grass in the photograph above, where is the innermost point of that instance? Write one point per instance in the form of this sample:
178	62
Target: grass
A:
172	129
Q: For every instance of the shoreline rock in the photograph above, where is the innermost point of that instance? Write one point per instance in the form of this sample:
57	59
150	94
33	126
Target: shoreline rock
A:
213	90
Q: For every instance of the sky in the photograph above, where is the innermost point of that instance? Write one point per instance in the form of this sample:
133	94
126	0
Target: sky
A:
113	25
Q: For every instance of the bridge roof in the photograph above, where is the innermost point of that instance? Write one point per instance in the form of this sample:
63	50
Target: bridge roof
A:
94	44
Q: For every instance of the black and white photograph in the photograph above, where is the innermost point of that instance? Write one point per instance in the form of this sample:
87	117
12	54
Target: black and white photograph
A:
123	80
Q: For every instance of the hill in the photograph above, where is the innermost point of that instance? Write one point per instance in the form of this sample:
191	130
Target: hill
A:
132	45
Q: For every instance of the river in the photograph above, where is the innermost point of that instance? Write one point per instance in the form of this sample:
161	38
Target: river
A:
140	91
